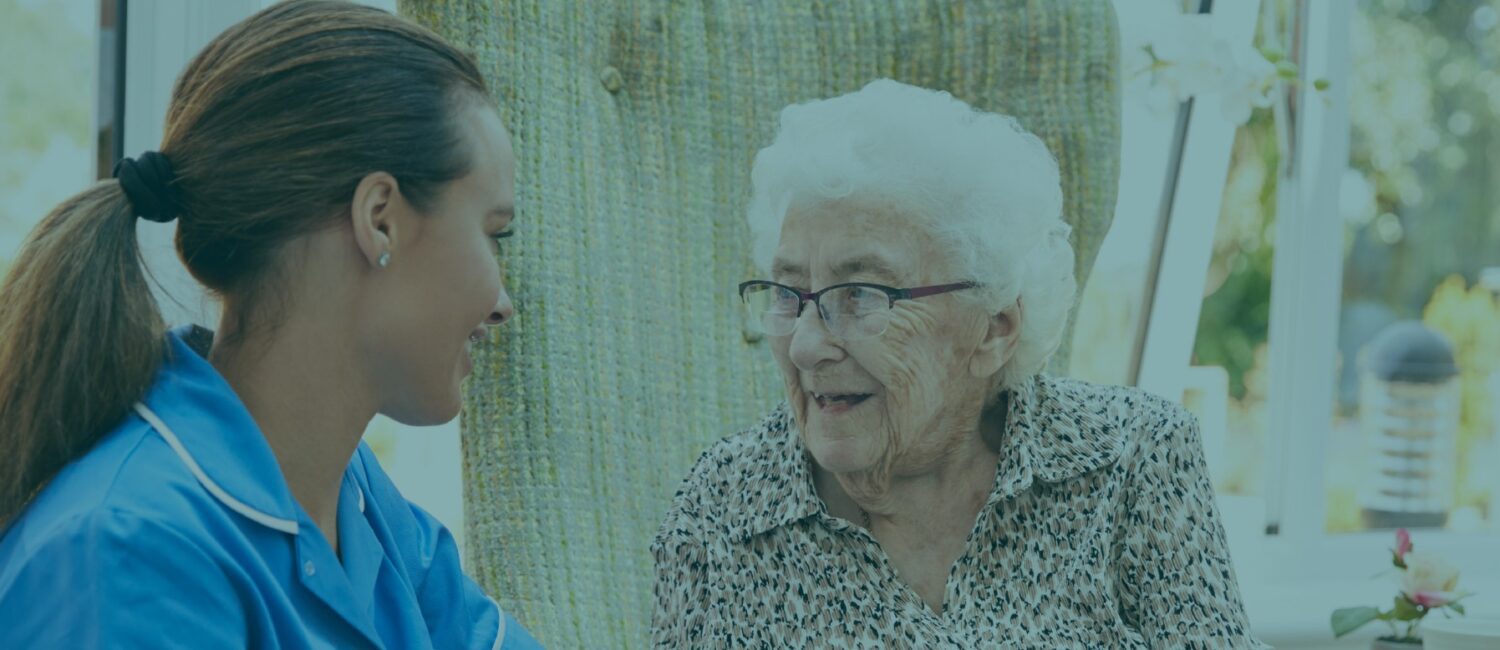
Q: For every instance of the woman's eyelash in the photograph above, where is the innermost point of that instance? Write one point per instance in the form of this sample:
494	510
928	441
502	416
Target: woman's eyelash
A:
503	235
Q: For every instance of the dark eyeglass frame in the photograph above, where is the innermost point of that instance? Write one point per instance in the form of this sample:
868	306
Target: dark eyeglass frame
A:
891	293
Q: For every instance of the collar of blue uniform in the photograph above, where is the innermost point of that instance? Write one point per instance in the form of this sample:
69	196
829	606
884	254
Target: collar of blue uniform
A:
194	409
1053	433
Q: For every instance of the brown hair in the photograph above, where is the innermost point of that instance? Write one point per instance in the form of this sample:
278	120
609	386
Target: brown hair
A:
270	129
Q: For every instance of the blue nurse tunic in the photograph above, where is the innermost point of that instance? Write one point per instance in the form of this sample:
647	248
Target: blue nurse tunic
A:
178	530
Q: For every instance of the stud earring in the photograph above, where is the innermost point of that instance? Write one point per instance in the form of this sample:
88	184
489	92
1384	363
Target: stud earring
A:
385	259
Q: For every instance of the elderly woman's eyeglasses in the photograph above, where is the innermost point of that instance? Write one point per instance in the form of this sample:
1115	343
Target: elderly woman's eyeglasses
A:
853	310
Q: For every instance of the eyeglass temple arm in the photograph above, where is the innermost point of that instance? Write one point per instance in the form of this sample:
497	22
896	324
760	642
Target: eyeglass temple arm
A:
919	292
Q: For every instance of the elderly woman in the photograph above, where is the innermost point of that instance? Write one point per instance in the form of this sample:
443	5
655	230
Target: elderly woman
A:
924	486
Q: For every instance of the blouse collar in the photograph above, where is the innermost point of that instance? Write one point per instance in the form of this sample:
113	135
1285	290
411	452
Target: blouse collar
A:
1053	433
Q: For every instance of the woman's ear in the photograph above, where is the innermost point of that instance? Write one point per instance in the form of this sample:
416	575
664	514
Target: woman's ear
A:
999	342
372	216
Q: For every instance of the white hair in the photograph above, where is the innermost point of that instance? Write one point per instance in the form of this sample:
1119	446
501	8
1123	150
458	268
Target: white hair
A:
987	190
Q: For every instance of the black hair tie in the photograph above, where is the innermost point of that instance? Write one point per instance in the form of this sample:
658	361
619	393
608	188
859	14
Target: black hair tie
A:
148	184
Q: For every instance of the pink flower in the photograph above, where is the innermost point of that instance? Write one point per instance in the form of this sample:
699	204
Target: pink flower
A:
1403	543
1431	599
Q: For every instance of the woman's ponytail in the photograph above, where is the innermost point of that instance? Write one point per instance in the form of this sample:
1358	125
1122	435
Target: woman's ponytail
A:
80	339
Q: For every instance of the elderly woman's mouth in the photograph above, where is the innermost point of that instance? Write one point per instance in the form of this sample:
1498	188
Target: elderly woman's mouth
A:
834	403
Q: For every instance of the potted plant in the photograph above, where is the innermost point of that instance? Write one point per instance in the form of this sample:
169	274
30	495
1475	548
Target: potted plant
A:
1428	584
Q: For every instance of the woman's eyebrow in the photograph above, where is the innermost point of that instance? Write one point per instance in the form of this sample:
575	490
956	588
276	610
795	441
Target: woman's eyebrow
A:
784	268
869	264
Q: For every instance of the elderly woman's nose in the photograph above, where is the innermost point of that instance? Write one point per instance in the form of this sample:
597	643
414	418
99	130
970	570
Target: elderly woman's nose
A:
811	342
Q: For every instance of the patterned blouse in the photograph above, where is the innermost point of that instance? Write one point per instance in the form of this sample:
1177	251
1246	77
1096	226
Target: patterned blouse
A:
1101	532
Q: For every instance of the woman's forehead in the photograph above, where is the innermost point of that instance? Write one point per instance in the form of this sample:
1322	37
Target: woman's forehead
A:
844	247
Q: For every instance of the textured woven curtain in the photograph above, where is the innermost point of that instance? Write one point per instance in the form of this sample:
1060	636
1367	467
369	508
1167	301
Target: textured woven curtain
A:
635	124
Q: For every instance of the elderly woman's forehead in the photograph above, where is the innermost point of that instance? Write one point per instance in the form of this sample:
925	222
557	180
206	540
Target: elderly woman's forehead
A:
856	259
854	235
874	256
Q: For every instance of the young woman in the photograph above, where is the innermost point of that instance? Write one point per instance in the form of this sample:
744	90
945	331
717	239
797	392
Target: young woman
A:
340	178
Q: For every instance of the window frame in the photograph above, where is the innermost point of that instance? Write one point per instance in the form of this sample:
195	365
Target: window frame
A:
1293	573
1307	283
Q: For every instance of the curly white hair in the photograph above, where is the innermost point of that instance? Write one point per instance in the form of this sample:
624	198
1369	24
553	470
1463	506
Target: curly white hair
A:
986	189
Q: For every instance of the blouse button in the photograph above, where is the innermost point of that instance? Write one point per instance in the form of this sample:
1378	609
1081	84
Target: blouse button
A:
309	569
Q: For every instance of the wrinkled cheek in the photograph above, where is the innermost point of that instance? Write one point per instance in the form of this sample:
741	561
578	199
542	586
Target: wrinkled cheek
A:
910	389
796	398
904	366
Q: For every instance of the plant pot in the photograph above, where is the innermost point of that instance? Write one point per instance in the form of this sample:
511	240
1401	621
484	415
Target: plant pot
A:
1392	644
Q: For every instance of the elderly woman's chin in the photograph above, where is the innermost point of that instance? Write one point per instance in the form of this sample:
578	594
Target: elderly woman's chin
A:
843	447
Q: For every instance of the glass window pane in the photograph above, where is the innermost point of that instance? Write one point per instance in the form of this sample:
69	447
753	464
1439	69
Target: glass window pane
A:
1112	302
1230	354
1413	439
1225	385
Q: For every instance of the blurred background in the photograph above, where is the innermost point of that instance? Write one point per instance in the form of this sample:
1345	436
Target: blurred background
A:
1306	252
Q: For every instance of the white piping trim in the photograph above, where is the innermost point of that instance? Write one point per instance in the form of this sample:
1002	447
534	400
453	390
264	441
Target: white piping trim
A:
500	629
276	523
361	498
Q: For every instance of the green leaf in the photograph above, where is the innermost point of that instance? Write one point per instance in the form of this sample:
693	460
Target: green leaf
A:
1406	610
1349	619
1457	607
1320	84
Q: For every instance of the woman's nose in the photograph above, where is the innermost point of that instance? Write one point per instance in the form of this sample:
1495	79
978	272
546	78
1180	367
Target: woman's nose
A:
811	342
504	310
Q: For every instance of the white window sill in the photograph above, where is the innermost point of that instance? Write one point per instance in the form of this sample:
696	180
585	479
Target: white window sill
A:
1291	589
1296	615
